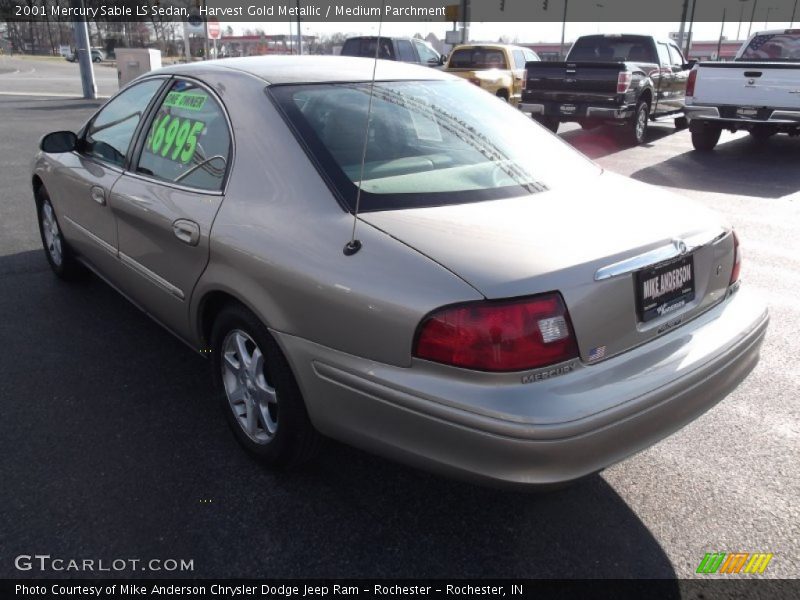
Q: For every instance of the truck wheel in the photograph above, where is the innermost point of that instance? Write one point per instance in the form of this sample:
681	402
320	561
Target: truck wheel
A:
588	124
704	137
635	130
503	95
681	123
550	122
762	134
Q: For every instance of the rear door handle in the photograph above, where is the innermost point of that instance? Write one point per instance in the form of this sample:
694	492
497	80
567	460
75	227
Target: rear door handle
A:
186	231
98	195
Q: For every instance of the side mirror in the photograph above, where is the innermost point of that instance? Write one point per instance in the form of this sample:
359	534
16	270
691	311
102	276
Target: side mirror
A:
442	59
59	141
689	65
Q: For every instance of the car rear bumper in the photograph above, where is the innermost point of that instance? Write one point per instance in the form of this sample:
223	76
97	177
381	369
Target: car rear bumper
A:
725	116
582	111
495	429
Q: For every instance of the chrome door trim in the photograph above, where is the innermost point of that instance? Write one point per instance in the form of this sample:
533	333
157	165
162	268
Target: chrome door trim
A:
97	240
153	277
674	249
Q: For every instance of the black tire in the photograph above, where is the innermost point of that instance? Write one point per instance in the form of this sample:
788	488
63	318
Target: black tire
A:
681	123
634	132
60	256
550	122
704	137
96	59
587	125
503	95
762	134
294	441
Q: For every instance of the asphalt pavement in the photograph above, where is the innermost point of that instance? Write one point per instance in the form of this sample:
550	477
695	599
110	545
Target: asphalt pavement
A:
110	446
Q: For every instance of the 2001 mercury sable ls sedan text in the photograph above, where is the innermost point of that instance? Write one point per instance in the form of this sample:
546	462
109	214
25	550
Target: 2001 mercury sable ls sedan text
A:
514	314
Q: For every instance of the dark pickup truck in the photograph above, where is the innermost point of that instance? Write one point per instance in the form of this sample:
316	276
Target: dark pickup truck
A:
625	80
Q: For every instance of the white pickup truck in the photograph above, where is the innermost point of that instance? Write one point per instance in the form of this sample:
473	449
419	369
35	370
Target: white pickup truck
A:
759	91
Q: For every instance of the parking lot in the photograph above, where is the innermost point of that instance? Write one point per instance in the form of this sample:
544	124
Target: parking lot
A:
111	447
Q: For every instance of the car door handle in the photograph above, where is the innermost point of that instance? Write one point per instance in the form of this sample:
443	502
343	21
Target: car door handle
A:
98	195
186	231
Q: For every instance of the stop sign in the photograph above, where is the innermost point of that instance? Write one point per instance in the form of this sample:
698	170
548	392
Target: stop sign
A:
214	30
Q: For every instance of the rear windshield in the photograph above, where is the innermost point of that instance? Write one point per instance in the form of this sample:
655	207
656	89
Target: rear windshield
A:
478	58
365	47
773	47
429	143
598	48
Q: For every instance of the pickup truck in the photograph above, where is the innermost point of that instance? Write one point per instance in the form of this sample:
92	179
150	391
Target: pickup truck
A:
758	92
497	68
621	79
410	50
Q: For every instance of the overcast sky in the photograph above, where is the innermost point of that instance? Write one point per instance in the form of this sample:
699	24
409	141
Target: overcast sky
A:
524	32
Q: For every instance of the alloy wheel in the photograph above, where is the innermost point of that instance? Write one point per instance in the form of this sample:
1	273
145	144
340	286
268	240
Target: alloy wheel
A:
52	234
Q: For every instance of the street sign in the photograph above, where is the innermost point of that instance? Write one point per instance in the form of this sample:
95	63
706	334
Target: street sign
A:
214	29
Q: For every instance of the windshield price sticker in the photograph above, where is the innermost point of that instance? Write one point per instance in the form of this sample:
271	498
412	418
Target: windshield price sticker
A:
175	138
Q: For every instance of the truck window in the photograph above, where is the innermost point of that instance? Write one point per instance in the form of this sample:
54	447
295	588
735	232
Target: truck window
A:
773	47
621	48
366	47
406	52
676	57
519	59
478	58
663	55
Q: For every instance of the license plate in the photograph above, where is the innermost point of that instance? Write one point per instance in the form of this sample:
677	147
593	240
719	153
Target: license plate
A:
665	288
746	112
568	109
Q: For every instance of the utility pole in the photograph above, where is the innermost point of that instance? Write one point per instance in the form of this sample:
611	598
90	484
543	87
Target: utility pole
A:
689	35
464	21
300	34
563	31
684	11
84	51
794	11
752	17
721	30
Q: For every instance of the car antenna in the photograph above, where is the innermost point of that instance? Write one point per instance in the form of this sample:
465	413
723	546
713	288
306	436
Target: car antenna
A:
354	245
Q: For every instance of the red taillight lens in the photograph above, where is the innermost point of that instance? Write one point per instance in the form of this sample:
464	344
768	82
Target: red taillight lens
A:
737	260
525	80
623	82
512	335
690	82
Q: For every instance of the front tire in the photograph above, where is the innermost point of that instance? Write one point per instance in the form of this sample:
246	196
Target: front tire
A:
704	137
258	392
59	255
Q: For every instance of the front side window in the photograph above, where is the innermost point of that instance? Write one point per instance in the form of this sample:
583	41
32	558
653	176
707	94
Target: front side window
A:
663	55
189	141
406	51
676	56
429	143
426	53
109	135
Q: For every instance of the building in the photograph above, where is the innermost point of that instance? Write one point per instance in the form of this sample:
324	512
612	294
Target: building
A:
255	45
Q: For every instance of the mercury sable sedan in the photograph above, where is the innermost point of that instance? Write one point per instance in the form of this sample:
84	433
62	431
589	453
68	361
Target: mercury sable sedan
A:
406	264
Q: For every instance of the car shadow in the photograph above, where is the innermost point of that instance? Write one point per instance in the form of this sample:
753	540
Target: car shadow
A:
731	168
605	140
112	445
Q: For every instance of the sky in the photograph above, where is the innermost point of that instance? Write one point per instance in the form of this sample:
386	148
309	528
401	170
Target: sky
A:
523	32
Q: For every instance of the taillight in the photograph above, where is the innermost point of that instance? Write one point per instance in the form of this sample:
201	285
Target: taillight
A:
509	335
737	260
525	80
690	82
623	82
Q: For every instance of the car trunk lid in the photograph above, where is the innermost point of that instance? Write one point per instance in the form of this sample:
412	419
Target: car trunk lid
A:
587	242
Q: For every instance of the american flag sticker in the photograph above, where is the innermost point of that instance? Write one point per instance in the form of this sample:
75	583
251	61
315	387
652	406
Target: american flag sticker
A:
597	353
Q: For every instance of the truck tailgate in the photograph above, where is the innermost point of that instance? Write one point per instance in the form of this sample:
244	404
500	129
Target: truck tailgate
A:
567	81
753	84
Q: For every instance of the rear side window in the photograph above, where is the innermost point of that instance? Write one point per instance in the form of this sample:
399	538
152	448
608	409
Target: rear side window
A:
622	48
189	141
773	47
478	58
109	135
365	47
406	51
519	59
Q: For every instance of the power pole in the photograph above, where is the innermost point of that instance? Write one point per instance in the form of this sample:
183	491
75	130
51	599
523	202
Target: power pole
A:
683	21
689	35
752	16
563	31
465	21
84	52
299	31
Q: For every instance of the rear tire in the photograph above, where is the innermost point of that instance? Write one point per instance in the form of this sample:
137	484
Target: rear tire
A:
588	125
635	130
762	134
59	255
503	95
258	391
681	123
550	122
704	137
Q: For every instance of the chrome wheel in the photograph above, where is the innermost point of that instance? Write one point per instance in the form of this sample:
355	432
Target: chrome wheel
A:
52	235
641	123
252	399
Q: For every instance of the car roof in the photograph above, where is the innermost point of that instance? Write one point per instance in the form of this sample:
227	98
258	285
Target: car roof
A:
310	69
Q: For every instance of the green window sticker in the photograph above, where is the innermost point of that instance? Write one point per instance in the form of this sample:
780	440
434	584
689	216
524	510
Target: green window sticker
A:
175	138
185	100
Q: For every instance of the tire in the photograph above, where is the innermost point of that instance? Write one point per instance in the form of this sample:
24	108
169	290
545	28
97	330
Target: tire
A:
263	405
503	95
762	134
59	255
587	125
634	132
681	123
704	137
550	122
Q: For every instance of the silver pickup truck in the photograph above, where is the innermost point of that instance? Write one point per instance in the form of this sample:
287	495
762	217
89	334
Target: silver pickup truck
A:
759	91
